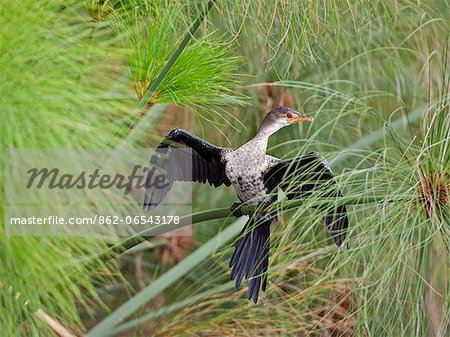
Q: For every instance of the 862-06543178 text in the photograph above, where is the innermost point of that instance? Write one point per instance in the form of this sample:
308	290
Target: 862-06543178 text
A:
97	219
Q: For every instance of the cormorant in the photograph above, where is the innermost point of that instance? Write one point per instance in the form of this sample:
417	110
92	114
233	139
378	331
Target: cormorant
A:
254	175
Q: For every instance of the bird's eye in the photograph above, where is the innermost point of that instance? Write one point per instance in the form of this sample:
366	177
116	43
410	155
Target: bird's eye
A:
289	115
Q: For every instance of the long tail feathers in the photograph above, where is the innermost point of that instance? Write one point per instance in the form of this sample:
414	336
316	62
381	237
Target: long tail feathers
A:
250	259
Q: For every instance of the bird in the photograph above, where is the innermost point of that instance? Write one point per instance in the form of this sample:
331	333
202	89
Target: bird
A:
255	177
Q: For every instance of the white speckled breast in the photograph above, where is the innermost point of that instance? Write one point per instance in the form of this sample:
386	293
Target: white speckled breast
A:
245	168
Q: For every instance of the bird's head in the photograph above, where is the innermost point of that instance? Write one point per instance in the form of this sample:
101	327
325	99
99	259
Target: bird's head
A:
280	117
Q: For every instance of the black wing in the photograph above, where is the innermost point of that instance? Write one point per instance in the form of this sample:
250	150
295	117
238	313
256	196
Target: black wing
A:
304	176
182	156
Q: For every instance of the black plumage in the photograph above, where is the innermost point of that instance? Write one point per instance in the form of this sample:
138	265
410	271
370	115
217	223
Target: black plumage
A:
250	259
254	176
300	177
193	160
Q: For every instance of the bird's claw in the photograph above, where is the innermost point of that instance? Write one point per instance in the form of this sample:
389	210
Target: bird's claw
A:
236	209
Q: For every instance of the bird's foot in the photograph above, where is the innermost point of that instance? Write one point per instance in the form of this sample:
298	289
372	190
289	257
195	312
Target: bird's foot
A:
236	209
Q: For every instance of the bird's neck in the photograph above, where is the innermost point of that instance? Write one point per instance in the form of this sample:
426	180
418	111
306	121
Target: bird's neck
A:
261	139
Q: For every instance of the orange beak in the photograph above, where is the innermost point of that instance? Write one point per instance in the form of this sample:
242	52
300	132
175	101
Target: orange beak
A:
298	119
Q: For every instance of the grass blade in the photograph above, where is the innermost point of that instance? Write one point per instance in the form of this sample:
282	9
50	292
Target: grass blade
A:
155	84
105	327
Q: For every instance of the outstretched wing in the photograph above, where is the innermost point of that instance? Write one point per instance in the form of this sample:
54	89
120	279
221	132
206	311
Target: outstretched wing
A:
304	176
182	156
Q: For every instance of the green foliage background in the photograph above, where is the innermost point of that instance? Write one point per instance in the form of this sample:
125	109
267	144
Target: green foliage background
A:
374	74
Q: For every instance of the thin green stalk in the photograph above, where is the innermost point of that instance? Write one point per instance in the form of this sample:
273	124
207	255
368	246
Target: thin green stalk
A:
193	299
136	239
143	102
220	213
105	327
368	140
165	70
171	308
